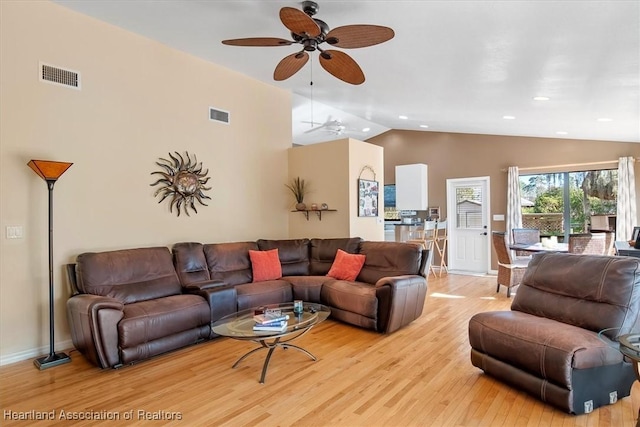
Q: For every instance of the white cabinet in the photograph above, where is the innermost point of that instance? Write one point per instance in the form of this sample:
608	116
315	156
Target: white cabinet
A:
411	187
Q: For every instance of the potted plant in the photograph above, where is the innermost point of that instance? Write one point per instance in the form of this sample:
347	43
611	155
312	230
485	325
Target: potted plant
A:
299	189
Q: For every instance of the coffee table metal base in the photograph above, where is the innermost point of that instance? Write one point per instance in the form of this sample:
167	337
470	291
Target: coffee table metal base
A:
271	346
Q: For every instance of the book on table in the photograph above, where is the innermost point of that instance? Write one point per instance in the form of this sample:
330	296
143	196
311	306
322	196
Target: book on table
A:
278	326
266	319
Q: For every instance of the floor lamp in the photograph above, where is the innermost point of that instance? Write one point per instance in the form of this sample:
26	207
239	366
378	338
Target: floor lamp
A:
50	171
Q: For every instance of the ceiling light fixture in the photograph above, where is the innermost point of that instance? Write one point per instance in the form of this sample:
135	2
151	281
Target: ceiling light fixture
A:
366	129
403	117
424	126
561	132
541	98
605	119
509	117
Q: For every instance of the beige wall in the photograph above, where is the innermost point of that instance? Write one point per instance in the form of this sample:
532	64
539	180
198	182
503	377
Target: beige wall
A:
362	154
139	101
454	155
331	169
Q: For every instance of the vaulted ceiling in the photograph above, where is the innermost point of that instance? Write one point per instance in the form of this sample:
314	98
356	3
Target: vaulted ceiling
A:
453	66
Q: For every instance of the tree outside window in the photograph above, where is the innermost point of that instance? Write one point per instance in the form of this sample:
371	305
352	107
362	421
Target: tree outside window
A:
550	201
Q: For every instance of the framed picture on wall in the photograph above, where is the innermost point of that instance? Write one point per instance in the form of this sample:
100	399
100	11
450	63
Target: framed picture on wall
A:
367	197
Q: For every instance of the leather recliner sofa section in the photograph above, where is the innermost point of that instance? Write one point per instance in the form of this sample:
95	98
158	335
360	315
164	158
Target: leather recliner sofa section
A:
559	341
133	304
130	306
388	293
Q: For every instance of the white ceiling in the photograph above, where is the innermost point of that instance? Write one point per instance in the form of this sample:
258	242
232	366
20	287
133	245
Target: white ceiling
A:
455	66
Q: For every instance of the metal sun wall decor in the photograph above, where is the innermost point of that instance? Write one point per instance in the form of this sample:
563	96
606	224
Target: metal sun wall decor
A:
183	180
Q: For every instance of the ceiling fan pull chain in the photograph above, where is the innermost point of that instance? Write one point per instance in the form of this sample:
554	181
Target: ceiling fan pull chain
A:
311	89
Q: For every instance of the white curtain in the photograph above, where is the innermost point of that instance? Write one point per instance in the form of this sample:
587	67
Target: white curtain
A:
626	209
514	209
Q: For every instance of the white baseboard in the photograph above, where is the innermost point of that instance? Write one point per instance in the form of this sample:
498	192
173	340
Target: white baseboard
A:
32	353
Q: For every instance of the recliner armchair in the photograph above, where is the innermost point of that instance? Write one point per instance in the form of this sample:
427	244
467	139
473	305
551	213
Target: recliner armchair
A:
558	341
130	306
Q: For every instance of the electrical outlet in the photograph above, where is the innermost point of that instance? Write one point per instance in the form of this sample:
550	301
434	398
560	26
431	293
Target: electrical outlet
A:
14	232
613	397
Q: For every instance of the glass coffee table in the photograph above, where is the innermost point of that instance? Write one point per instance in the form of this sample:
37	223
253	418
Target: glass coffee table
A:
240	326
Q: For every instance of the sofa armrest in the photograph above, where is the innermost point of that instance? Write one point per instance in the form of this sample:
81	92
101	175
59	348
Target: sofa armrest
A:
222	298
400	301
202	286
93	321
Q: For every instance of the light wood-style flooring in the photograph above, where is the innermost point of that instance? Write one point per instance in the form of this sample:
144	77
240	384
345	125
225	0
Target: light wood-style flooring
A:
418	376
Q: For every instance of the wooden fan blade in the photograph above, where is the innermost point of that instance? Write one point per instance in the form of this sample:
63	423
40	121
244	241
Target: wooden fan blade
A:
299	22
353	36
342	66
258	41
290	65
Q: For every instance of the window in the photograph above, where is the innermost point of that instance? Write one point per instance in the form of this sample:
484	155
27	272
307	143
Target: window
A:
568	202
469	207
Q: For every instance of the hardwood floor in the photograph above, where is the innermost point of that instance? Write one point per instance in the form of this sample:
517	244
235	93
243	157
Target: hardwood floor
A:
418	376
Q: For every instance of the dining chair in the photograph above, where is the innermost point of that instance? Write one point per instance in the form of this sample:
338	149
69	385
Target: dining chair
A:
426	238
441	239
526	236
588	243
510	271
609	240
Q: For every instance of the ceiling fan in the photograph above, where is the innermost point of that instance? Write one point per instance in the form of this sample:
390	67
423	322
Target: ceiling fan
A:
311	33
335	126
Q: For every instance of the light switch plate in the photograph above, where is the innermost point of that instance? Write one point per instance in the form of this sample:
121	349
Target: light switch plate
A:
498	217
15	232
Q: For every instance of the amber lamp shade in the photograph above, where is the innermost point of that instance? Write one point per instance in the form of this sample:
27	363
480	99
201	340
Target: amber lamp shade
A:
50	171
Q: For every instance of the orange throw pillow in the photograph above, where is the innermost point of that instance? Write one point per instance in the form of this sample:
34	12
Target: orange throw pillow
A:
346	266
265	265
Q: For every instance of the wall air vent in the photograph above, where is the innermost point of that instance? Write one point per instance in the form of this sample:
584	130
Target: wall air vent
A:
218	115
59	76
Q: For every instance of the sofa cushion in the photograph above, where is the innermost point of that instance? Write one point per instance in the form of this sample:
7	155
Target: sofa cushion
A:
588	291
387	259
346	266
190	262
150	320
354	297
265	265
128	275
544	347
230	262
293	253
261	293
323	252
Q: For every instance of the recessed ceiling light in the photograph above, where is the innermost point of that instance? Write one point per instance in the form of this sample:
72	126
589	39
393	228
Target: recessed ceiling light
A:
605	119
424	126
366	129
509	117
561	132
403	117
541	98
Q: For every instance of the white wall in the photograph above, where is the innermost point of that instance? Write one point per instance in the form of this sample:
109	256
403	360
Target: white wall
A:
139	100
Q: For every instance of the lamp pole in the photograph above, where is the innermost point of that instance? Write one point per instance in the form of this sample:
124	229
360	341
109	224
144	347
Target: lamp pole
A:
50	172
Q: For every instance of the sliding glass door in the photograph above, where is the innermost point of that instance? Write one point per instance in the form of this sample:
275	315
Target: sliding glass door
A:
562	203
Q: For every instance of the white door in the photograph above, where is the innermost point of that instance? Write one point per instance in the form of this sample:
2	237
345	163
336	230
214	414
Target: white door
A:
468	217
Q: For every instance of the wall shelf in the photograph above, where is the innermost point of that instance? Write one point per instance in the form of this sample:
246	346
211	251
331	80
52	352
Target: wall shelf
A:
317	211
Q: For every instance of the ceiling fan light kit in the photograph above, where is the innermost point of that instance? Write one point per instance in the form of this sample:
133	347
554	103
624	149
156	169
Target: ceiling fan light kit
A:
311	33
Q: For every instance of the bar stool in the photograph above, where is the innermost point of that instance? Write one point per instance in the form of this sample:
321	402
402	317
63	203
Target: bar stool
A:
427	239
441	244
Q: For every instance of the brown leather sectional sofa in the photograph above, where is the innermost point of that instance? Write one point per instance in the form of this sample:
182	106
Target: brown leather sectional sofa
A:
132	304
559	341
